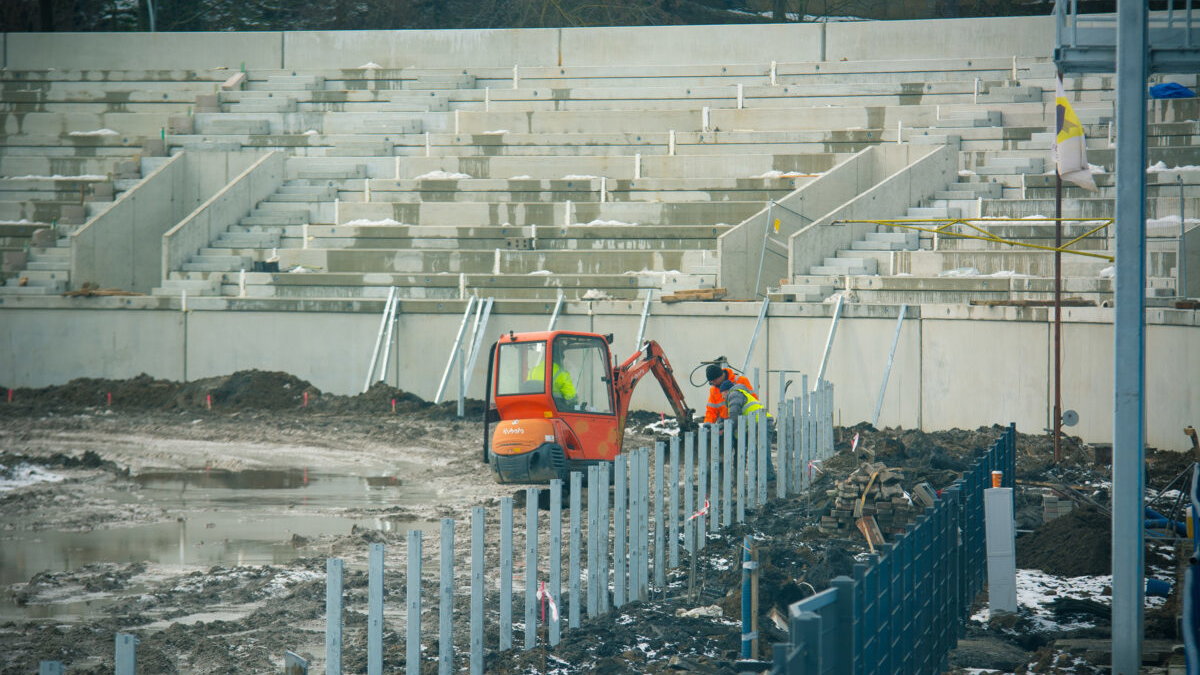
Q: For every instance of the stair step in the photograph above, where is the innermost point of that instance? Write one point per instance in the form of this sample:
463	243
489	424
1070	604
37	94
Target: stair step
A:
356	171
239	127
935	212
833	271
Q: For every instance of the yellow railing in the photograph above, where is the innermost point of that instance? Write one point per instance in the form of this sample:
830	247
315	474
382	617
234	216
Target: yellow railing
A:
942	226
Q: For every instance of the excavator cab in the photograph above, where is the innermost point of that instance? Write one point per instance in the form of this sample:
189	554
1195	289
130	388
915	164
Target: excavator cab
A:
556	403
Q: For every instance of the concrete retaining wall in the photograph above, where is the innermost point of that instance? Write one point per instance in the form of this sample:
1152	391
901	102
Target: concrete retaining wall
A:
640	46
956	366
225	208
122	247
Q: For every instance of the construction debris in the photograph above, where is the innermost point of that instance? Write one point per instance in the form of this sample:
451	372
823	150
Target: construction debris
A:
706	294
871	500
91	290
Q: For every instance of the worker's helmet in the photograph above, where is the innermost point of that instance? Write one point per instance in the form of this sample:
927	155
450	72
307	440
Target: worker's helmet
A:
713	372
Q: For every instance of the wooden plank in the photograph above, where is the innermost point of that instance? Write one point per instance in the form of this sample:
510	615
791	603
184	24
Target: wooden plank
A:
695	294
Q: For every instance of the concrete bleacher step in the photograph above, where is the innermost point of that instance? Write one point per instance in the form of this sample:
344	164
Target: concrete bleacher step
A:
510	261
193	287
977	190
802	293
277	104
438	81
260	217
847	265
970	118
887	241
933	212
218	262
288	83
241	240
250	127
1011	94
303	193
1011	166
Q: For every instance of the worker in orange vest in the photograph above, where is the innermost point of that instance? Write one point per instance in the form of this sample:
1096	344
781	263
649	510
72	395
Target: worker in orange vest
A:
716	376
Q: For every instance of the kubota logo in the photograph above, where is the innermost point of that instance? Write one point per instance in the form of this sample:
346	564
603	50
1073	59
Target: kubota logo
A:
511	430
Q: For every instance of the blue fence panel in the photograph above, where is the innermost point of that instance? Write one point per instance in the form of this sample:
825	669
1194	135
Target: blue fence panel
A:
902	612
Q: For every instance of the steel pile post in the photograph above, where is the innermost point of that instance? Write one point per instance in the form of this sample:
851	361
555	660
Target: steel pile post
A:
605	539
764	450
782	424
727	476
531	580
50	668
446	597
293	664
125	657
621	501
375	609
751	461
740	471
478	525
806	457
506	572
412	647
689	447
673	507
576	541
660	574
555	588
644	527
637	487
714	483
333	616
797	451
593	553
701	490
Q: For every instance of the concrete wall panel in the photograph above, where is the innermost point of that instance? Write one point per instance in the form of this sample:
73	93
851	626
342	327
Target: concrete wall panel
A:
39	348
635	46
421	48
940	39
949	372
140	51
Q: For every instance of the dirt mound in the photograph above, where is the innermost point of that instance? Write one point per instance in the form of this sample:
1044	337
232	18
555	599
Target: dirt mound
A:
1077	544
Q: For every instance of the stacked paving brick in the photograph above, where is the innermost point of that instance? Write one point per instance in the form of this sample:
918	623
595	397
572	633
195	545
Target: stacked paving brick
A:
886	500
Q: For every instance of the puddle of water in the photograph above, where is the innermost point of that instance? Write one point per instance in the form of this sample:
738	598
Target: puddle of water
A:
224	518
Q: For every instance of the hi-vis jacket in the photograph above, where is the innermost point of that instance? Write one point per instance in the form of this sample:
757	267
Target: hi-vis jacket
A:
560	382
742	402
716	400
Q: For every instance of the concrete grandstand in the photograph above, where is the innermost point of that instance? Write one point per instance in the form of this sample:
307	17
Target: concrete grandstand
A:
264	192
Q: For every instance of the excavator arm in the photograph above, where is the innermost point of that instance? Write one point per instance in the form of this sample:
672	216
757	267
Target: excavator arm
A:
650	359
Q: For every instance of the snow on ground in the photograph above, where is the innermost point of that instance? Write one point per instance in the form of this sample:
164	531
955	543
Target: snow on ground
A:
781	174
364	221
1037	590
1160	166
23	475
95	132
601	221
442	175
84	176
579	176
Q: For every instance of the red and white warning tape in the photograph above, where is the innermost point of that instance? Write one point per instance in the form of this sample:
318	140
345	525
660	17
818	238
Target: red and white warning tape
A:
701	512
545	597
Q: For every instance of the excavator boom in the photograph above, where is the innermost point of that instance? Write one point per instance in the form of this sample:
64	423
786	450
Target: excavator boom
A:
650	359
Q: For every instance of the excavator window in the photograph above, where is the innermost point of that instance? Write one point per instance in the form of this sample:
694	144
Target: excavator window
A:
581	378
518	370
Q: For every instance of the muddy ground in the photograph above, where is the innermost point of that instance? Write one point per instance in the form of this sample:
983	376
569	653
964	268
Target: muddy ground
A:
88	469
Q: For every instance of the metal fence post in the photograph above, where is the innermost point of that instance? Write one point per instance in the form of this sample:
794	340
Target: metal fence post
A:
637	494
555	590
621	500
576	541
333	616
446	595
478	525
126	654
740	471
375	609
293	664
797	452
752	449
50	668
413	601
593	553
701	528
714	483
689	448
602	568
845	617
506	572
764	449
673	508
660	574
782	425
644	524
531	578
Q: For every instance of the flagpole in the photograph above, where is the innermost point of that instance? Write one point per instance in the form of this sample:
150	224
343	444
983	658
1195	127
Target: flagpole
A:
1057	316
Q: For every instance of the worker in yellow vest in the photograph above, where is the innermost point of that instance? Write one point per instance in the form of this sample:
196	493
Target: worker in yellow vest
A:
741	401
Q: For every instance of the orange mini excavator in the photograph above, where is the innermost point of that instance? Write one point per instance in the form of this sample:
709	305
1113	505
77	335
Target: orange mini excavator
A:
549	421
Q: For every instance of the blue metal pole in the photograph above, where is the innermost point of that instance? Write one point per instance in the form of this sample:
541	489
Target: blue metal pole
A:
413	602
747	618
1129	349
333	616
375	610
